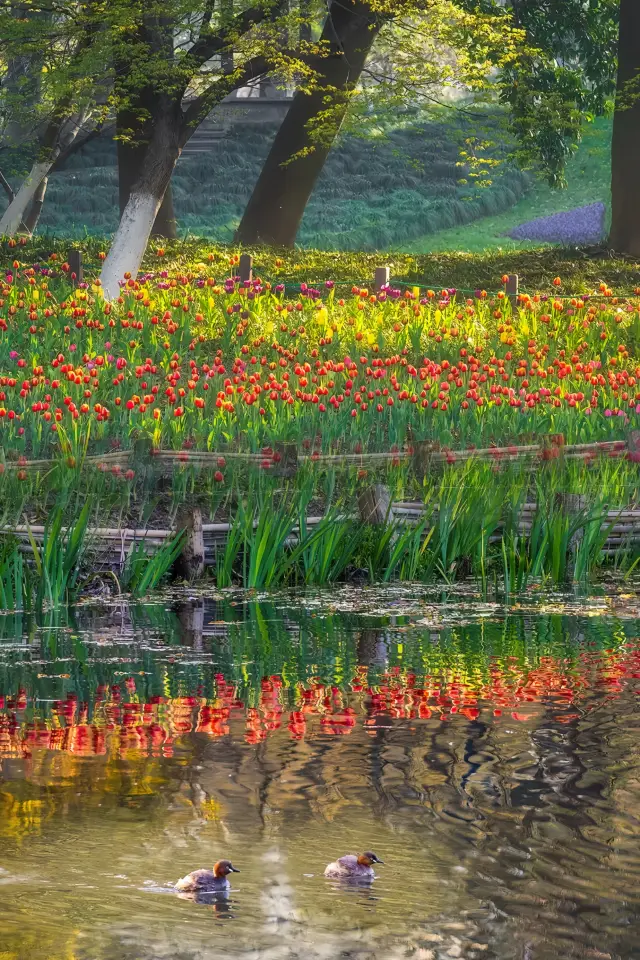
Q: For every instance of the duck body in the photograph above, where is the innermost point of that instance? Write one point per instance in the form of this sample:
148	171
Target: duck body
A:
352	867
208	881
202	881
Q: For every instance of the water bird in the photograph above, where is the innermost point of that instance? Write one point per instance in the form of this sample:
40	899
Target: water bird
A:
353	867
208	881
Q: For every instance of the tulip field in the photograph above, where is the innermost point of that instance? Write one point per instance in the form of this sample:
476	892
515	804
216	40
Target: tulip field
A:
192	361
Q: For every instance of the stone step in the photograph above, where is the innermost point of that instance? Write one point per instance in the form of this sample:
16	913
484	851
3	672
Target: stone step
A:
202	142
206	130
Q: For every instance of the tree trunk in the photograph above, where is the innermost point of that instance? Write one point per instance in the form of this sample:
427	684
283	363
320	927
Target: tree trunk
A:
136	223
59	135
130	161
305	21
134	129
625	147
31	220
8	189
15	213
280	196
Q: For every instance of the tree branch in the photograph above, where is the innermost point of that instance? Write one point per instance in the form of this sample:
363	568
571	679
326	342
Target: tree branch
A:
203	104
206	18
76	145
206	47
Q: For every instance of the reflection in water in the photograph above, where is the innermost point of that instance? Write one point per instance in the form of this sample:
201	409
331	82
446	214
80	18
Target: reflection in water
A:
490	760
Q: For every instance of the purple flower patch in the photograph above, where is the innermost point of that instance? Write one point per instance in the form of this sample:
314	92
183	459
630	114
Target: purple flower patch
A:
584	225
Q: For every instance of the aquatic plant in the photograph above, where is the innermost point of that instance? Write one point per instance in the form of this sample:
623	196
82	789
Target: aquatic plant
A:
143	571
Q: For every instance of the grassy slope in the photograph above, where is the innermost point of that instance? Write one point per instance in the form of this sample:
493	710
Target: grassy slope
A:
588	181
373	193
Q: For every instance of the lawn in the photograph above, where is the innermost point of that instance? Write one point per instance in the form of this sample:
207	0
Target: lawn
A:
588	181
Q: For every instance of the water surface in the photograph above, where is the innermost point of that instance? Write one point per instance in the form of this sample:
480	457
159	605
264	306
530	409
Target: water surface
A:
491	757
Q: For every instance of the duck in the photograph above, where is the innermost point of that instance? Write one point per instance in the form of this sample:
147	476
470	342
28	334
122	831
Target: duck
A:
353	867
208	881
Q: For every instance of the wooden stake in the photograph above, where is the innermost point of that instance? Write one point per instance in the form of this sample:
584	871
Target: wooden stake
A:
512	289
381	278
572	504
190	563
285	460
374	505
633	446
245	268
75	266
422	452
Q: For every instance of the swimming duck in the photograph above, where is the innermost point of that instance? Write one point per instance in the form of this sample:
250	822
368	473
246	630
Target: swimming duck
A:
208	881
353	867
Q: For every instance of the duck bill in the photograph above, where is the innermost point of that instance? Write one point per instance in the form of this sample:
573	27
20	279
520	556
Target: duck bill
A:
234	870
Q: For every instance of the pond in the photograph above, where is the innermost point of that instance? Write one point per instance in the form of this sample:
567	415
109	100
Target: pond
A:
489	755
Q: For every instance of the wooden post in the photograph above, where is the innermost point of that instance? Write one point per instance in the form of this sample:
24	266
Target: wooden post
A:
422	451
245	268
142	456
190	563
381	278
552	447
374	505
512	289
285	460
75	266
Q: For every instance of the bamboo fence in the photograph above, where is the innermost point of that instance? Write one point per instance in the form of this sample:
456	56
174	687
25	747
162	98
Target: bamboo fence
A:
111	546
286	456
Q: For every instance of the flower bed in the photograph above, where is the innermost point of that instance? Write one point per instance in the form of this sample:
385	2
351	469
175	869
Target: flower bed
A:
192	362
195	387
584	225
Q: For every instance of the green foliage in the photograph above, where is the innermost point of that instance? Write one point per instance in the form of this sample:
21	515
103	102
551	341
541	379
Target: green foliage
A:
330	548
565	75
58	561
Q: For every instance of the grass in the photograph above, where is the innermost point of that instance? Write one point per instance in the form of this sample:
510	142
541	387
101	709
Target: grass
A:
582	268
588	181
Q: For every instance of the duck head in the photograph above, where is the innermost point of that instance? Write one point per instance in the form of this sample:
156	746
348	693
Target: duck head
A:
223	868
368	859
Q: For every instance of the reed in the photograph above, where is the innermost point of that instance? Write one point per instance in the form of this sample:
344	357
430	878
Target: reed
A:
15	585
144	571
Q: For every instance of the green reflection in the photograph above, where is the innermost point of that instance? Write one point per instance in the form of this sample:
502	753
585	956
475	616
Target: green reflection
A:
489	756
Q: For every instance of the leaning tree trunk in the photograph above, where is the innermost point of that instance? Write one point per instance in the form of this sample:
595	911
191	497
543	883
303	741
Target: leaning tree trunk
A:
625	147
136	223
14	216
60	133
134	131
130	163
280	196
31	220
